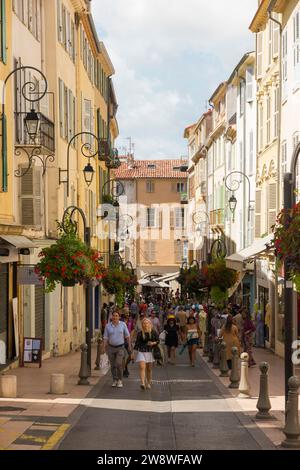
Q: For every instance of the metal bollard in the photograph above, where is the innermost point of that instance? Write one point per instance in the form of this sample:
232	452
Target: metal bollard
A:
234	374
263	404
216	361
97	361
244	386
206	345
84	369
292	429
223	360
210	349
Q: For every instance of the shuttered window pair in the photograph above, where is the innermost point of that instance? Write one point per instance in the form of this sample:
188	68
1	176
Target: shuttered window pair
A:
66	29
31	197
149	251
29	12
67	112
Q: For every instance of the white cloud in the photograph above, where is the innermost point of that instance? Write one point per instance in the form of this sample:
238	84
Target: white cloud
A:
169	56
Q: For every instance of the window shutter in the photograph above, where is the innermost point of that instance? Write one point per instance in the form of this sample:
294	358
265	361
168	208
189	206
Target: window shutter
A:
38	20
27	198
157	217
59	21
73	42
68	34
4	153
61	107
251	153
258	213
271	205
276	38
37	189
3	32
249	84
259	54
171	218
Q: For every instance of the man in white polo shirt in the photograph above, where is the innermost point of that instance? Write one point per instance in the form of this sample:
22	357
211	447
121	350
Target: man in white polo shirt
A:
115	334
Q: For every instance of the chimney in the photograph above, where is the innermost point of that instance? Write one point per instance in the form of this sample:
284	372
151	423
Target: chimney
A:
130	161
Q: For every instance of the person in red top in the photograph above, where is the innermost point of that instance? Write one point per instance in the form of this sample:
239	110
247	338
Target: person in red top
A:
143	307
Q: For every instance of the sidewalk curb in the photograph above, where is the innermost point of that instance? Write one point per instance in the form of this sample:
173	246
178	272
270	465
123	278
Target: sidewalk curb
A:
246	421
75	416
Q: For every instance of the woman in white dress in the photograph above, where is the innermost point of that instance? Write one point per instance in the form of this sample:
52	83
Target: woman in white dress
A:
146	340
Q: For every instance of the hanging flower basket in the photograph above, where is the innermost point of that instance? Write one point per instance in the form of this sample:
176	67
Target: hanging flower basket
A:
68	261
286	241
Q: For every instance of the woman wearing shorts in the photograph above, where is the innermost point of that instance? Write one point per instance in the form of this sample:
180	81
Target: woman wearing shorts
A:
193	334
146	339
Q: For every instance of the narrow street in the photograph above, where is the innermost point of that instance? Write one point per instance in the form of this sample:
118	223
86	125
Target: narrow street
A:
187	408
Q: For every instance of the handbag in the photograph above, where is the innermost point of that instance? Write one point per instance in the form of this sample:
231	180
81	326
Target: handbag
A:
162	337
157	353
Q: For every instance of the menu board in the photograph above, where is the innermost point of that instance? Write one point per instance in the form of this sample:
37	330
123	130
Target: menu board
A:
32	351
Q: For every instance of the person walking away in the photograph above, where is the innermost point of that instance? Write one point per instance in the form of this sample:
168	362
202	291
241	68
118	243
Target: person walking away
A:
202	324
146	339
104	317
181	317
115	335
248	332
229	334
155	322
193	334
239	322
128	356
171	342
134	309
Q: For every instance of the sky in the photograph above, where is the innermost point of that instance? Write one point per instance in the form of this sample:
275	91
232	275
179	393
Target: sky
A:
169	57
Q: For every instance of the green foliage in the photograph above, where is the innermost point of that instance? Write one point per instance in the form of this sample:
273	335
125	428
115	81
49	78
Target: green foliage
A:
218	296
286	241
69	259
219	275
118	282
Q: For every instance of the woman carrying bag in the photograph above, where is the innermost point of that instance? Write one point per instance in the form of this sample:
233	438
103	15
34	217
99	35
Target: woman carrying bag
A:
146	340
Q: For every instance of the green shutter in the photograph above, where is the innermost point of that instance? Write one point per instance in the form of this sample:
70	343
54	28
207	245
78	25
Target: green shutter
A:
4	154
3	32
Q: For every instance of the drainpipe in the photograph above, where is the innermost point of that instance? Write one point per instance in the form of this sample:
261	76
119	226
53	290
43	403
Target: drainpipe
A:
244	164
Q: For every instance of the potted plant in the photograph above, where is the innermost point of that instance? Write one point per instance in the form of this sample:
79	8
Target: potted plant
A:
286	241
68	261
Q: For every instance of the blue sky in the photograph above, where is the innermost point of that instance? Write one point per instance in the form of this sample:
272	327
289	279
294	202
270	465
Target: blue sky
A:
169	56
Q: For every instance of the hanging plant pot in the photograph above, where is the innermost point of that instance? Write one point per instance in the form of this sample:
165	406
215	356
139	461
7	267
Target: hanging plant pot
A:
69	283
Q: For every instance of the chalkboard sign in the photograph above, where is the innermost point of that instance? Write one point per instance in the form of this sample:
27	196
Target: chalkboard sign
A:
32	351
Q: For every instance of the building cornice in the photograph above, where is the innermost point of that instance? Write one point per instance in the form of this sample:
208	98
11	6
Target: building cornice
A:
260	18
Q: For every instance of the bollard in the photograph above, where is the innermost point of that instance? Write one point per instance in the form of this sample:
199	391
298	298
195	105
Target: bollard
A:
84	369
223	360
97	361
57	384
216	361
8	386
292	429
263	404
244	386
210	349
206	344
234	374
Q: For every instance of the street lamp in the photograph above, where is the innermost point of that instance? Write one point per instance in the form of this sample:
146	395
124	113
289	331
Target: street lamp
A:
234	186
32	124
86	151
68	216
289	198
30	92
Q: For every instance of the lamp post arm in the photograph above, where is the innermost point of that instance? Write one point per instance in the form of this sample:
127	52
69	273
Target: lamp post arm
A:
237	185
85	147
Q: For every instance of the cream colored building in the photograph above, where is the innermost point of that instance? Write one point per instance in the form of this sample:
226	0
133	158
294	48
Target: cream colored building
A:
157	196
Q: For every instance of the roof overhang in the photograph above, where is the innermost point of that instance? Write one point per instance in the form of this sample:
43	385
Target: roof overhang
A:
261	17
18	241
218	92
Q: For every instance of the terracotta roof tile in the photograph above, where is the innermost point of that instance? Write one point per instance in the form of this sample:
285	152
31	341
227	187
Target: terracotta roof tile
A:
151	169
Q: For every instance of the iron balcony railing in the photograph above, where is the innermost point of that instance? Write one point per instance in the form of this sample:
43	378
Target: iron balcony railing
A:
216	217
46	133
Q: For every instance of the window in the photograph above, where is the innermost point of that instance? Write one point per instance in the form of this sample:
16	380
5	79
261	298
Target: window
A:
268	121
151	166
284	63
242	98
30	196
270	45
150	251
150	221
259	54
150	186
181	187
66	29
2	31
276	111
249	84
276	35
29	12
251	153
67	112
178	251
179	217
283	157
296	46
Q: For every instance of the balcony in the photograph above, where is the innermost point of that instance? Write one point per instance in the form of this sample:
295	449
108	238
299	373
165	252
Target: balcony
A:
184	199
45	137
216	217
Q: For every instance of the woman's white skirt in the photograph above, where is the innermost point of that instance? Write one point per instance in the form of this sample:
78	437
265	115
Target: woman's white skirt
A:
144	357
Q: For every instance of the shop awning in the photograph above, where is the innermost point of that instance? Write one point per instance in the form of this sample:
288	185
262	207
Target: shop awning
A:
18	241
238	260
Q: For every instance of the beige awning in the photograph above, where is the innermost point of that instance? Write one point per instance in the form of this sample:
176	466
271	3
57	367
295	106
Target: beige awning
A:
239	260
232	289
18	241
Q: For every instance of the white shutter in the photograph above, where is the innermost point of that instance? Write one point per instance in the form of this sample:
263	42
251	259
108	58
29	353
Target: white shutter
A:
59	21
259	54
271	205
37	188
276	39
251	153
258	213
249	84
38	20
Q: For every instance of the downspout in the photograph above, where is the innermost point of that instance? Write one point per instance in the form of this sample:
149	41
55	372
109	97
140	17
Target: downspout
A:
244	164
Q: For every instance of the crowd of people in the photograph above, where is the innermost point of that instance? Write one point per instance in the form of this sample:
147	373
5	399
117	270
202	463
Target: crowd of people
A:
146	332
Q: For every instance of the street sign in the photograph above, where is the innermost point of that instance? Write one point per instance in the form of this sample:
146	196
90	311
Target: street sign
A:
32	351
